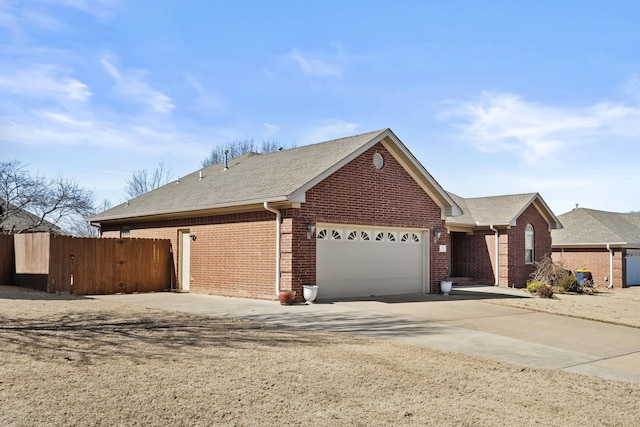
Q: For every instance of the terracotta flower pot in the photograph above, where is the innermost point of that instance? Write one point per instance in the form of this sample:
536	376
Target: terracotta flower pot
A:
287	297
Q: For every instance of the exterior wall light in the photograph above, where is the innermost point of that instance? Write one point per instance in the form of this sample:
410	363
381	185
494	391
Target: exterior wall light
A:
436	235
311	228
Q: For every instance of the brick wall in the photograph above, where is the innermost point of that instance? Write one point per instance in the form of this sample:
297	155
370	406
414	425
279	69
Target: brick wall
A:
233	255
594	259
518	270
472	256
504	246
298	254
234	259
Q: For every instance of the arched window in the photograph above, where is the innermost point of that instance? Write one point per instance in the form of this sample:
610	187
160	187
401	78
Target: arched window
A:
528	244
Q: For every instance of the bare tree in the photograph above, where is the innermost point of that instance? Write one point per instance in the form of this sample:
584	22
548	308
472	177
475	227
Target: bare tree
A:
81	228
30	202
142	181
239	147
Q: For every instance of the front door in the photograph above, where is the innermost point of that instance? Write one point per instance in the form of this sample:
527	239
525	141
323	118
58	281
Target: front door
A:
184	274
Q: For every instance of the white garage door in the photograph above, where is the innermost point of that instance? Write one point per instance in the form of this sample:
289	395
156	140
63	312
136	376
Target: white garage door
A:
355	261
633	267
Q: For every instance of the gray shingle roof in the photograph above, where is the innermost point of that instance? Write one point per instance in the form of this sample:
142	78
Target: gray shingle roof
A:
589	227
255	178
21	220
497	210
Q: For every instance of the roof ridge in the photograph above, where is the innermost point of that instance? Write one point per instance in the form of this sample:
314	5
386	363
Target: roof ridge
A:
301	147
500	196
377	132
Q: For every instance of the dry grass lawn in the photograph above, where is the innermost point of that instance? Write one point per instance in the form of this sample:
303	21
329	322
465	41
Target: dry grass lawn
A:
79	361
617	306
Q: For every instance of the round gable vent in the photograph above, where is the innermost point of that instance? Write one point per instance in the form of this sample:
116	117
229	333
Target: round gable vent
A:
378	161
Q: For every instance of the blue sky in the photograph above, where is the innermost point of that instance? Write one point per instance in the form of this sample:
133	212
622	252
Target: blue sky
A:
492	97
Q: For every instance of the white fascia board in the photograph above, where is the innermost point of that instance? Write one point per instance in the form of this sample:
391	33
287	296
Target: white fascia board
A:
149	214
554	224
298	196
588	245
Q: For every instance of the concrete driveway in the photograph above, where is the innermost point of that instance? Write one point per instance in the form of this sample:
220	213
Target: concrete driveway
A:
460	322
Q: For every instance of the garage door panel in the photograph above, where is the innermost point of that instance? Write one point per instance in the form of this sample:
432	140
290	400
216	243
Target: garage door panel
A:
353	268
372	271
364	288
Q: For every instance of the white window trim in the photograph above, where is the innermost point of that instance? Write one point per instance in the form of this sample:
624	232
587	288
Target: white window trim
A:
529	244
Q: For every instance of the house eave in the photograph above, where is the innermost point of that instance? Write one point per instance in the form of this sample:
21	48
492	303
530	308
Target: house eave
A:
591	245
468	227
221	209
543	209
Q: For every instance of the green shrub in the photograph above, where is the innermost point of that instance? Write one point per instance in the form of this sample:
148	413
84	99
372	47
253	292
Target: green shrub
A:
567	283
533	287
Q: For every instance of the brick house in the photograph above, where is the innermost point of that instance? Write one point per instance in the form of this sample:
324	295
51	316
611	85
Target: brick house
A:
498	239
606	243
357	216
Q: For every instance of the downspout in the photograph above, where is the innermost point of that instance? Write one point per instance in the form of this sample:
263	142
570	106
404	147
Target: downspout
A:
610	266
497	275
278	243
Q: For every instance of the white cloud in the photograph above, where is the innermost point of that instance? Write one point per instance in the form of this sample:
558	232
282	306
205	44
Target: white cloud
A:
500	122
329	129
319	64
64	119
270	129
204	101
44	81
21	17
50	128
131	86
96	8
41	19
111	69
632	87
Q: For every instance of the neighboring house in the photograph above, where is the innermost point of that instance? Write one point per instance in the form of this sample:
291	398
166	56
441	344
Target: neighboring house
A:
357	216
21	221
606	243
498	239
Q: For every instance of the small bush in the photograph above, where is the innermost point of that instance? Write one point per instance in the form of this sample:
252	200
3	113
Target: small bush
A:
546	271
567	283
545	292
587	287
533	287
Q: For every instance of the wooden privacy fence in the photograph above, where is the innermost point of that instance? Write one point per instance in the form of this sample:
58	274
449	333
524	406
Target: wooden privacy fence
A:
6	259
85	266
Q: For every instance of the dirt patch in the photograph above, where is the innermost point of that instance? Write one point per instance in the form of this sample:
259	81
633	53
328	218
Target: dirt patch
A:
78	361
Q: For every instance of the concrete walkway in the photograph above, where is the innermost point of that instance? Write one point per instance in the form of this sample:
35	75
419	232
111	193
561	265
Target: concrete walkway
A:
460	322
